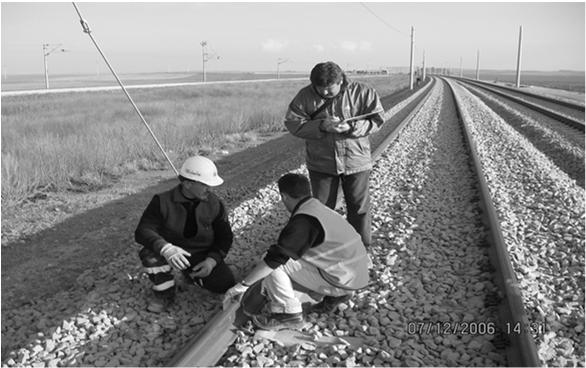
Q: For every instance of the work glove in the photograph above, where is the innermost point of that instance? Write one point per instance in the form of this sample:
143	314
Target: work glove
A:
203	268
176	256
234	294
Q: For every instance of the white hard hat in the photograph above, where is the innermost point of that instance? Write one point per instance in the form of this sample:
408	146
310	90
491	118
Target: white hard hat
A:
202	169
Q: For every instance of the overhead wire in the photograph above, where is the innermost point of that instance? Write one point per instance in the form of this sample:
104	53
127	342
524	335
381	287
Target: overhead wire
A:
390	26
383	21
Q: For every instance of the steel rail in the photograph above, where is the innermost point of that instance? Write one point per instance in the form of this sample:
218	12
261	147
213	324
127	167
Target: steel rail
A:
574	123
565	103
208	346
522	350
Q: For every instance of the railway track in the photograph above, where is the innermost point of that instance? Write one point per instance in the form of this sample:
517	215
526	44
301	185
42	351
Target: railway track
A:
432	260
567	112
512	332
220	332
548	132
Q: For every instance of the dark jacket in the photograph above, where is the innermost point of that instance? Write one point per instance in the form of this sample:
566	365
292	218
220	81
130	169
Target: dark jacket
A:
165	220
334	153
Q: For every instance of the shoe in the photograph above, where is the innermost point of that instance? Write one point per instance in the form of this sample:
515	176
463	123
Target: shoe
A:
279	321
160	301
329	303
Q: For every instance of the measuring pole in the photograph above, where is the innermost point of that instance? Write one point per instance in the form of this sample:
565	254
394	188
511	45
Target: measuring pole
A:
411	61
518	84
477	62
86	29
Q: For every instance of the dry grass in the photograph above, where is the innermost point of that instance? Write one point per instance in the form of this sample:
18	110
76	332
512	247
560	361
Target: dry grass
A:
84	141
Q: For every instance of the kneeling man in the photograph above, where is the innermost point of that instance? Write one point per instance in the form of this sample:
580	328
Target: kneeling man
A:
318	252
186	228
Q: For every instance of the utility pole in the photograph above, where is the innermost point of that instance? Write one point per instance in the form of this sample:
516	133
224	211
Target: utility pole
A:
477	62
279	62
518	84
423	75
45	55
411	61
460	67
204	58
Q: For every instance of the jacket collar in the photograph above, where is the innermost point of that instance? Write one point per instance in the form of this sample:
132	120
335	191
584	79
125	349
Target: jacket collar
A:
177	196
300	203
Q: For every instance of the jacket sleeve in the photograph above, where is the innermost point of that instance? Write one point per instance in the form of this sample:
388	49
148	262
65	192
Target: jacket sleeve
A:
147	232
298	123
301	233
371	104
223	236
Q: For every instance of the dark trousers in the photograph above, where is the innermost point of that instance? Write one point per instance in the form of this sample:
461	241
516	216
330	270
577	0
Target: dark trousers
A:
356	194
159	271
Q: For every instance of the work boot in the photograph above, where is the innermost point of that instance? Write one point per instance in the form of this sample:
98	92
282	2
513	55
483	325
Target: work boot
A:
279	321
161	300
329	303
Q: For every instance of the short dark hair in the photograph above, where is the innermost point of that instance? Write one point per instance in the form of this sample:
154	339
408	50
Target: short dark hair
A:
325	74
295	185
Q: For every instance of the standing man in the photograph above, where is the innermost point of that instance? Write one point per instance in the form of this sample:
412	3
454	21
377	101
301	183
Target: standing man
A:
186	228
337	146
317	252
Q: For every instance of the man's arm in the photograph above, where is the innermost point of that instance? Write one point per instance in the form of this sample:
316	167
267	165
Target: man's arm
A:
298	123
371	104
147	231
301	233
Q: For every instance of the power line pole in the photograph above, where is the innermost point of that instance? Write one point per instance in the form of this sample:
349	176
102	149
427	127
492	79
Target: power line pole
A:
204	56
477	62
279	62
45	55
45	45
411	61
423	75
518	84
460	67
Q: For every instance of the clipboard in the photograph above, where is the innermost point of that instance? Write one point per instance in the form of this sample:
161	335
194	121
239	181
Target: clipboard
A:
359	117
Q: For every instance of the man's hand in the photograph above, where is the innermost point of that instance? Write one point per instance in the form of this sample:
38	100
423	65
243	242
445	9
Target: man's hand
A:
334	125
203	268
176	256
234	294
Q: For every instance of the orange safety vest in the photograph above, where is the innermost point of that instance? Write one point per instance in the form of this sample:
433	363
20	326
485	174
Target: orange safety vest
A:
341	258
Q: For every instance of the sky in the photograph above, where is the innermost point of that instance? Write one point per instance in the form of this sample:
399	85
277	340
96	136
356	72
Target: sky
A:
144	37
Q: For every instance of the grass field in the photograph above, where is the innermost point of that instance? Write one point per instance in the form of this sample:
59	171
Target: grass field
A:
84	141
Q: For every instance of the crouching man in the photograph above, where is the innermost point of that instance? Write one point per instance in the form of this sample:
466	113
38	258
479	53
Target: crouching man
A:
318	252
186	228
